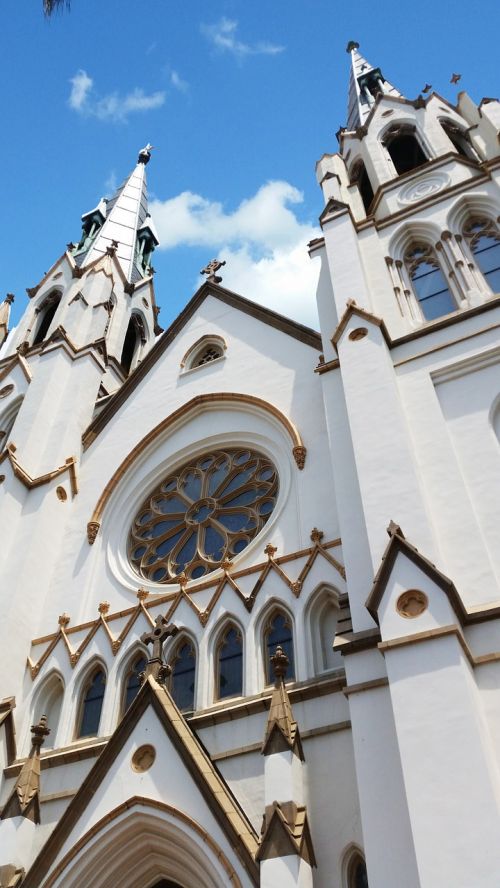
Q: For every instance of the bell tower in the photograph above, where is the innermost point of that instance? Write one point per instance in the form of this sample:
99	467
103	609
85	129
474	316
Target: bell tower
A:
89	323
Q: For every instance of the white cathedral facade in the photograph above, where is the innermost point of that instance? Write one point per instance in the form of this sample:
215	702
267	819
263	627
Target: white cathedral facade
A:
250	603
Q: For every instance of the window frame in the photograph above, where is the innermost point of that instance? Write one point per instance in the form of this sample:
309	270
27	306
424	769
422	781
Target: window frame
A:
489	229
430	257
228	626
84	688
275	611
127	675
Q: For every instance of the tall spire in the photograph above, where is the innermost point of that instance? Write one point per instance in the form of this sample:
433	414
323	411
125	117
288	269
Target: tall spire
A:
365	81
122	224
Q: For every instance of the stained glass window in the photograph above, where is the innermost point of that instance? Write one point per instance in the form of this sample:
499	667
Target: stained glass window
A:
209	510
230	663
182	676
429	283
278	631
484	239
133	681
90	713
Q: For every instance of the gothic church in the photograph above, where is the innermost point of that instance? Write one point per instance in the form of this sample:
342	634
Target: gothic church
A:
256	640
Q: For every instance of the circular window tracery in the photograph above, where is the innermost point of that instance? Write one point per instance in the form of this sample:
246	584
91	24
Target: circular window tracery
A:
207	511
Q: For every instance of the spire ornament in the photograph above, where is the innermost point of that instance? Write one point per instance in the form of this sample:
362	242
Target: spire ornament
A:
145	154
24	800
211	270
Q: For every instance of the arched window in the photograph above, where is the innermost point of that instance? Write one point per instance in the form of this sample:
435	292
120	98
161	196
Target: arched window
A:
357	877
323	619
484	240
404	148
91	705
49	703
47	312
182	676
278	631
134	336
229	661
206	349
429	283
359	177
7	420
459	139
132	680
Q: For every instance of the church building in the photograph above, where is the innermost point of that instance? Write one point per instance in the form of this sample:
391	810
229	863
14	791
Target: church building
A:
249	585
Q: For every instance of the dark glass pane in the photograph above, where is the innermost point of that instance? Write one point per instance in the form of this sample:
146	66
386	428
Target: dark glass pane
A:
487	254
173	504
192	486
230	665
186	554
214	544
217	477
438	305
167	545
133	682
235	522
406	153
432	291
493	279
92	705
280	633
182	678
164	527
45	322
360	875
238	480
243	499
239	545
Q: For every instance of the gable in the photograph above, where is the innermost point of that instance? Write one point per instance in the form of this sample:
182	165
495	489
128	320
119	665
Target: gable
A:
153	755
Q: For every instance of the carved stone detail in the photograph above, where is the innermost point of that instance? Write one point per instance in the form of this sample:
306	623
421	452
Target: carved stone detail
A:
412	603
92	531
299	455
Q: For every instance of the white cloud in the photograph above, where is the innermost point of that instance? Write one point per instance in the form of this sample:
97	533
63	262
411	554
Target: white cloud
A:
177	82
113	106
262	241
223	36
81	84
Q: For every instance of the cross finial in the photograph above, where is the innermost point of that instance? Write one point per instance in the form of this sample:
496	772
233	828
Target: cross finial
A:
353	44
211	270
145	154
39	732
161	631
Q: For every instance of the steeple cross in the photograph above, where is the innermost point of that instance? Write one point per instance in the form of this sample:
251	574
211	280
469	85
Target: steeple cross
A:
211	270
158	635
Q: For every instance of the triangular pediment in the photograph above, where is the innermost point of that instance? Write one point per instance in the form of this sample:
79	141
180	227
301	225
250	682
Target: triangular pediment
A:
155	757
408	586
304	335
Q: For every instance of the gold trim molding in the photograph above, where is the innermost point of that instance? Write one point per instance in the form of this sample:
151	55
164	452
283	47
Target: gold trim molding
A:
29	482
299	451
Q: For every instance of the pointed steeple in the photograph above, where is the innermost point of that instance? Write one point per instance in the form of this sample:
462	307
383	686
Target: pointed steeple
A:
123	225
4	316
365	81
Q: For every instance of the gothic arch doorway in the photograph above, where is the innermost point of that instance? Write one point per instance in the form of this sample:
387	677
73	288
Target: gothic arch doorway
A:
143	843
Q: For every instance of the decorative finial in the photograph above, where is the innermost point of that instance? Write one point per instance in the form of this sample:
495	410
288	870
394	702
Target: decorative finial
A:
352	45
40	732
279	662
455	78
427	88
145	154
9	298
211	270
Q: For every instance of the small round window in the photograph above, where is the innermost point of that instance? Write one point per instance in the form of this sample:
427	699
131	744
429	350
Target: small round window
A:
207	511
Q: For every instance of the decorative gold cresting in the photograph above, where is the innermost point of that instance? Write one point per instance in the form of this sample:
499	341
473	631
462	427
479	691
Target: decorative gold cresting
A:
69	466
24	800
199	401
175	594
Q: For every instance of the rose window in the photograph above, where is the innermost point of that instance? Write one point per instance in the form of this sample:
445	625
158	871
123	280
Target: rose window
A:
208	511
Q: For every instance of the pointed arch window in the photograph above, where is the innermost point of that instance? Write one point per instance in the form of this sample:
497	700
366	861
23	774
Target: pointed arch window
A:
278	631
132	682
357	876
47	312
359	177
404	148
49	703
459	139
134	336
429	283
183	675
230	663
483	237
91	705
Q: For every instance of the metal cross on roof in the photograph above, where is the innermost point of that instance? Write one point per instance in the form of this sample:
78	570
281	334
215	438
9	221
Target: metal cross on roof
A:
211	270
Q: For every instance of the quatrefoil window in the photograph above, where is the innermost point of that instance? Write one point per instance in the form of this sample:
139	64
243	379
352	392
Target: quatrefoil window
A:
207	512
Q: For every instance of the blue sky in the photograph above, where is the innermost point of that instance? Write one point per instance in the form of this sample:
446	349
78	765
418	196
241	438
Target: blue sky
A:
241	100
